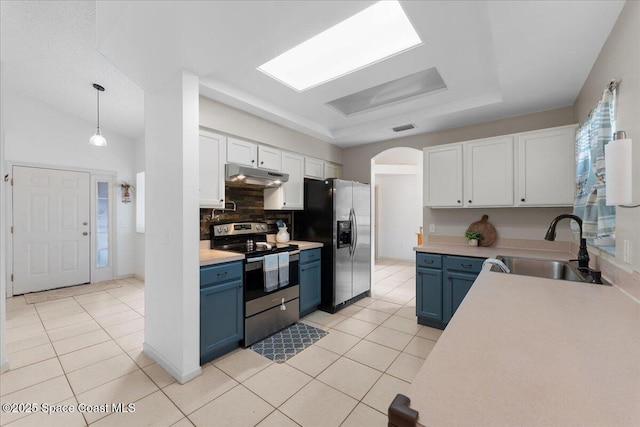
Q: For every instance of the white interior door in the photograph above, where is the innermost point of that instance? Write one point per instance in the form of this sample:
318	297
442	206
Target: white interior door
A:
50	229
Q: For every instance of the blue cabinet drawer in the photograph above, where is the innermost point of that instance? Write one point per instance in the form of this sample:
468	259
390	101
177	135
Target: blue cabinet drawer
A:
467	264
309	255
428	260
220	273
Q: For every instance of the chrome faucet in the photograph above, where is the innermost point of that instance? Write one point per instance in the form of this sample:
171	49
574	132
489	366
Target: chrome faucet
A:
583	255
497	262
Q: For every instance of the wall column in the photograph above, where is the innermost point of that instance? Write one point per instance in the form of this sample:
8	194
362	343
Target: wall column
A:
172	299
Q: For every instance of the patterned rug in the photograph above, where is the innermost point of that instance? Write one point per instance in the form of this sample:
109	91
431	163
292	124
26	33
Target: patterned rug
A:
288	342
70	291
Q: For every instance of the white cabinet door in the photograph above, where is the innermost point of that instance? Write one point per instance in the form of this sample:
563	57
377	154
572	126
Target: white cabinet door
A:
313	168
488	172
331	170
269	158
290	195
443	176
241	152
212	155
546	167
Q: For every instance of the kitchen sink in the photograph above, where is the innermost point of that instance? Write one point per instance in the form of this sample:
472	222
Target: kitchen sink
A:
545	268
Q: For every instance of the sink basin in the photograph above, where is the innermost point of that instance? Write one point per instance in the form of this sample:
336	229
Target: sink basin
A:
545	268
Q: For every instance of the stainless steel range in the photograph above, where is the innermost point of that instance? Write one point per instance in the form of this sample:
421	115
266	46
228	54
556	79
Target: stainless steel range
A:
268	309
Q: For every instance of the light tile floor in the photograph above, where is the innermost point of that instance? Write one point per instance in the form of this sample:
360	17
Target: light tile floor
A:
88	349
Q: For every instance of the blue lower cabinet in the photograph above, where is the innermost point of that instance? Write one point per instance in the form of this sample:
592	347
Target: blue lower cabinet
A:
442	282
221	313
310	279
457	286
429	293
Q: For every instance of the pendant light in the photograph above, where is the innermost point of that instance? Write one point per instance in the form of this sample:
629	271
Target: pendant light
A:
97	139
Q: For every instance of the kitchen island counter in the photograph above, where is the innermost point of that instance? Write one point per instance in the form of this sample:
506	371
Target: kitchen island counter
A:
529	351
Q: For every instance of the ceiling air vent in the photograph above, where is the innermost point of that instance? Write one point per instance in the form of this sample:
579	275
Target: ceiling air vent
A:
403	128
424	82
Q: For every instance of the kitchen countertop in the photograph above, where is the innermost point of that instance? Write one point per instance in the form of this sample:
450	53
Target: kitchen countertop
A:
212	256
306	245
529	351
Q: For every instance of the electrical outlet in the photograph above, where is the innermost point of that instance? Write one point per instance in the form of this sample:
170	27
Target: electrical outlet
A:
626	251
432	228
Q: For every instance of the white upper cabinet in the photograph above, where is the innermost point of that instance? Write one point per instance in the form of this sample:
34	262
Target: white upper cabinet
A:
443	176
488	172
546	167
269	158
242	152
213	148
331	170
290	195
313	168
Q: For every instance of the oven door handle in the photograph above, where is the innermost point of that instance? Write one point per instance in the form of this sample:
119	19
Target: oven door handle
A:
261	258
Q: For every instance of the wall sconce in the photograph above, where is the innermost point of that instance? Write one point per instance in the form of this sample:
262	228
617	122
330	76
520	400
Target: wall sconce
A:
618	165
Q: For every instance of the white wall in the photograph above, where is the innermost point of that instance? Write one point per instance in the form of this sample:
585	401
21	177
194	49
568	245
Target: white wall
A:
399	215
620	59
37	133
172	235
138	238
3	278
223	118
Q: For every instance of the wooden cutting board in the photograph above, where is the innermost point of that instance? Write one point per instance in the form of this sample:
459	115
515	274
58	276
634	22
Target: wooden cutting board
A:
485	228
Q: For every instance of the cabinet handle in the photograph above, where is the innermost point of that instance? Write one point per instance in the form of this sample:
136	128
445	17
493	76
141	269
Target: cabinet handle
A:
284	203
253	161
469	201
262	163
222	200
222	274
459	201
522	200
466	265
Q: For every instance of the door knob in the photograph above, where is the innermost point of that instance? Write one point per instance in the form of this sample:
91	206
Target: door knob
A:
85	233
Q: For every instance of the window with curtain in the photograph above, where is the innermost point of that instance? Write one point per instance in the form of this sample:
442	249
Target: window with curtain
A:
598	219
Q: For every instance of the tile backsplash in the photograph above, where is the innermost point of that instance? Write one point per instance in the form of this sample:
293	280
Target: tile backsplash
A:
249	202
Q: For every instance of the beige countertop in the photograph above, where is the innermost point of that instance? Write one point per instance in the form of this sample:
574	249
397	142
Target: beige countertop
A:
527	351
212	256
306	245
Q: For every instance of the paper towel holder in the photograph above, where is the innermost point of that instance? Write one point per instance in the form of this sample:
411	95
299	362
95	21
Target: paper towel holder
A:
618	164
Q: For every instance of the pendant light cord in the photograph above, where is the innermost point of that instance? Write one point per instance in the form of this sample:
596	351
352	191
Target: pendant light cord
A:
98	98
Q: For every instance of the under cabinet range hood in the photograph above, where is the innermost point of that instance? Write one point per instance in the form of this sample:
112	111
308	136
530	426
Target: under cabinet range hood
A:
238	175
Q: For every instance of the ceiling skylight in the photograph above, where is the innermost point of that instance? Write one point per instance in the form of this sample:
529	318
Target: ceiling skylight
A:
376	33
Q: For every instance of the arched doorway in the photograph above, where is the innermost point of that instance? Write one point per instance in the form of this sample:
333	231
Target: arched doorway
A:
396	182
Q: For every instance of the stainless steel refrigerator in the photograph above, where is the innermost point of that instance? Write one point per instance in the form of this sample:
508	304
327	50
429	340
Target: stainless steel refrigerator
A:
337	213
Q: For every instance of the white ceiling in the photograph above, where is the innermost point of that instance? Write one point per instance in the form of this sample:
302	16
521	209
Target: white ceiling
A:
498	59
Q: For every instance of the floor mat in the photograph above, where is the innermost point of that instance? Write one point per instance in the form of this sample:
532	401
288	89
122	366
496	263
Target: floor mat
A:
70	291
288	342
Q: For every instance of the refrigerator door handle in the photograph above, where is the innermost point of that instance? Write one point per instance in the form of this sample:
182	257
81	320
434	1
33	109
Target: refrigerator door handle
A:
351	233
354	233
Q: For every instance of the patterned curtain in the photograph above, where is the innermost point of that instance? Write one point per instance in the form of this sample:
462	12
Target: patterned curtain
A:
598	219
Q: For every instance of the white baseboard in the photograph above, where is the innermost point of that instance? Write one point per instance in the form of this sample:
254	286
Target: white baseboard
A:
172	370
135	276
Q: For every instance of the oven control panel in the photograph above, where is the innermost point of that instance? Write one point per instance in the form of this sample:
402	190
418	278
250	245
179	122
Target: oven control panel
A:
239	228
